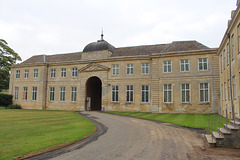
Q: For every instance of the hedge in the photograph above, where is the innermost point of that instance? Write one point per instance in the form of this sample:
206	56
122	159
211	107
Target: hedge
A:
5	99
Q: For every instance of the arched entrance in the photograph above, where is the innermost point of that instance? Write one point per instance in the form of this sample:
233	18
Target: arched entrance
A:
93	94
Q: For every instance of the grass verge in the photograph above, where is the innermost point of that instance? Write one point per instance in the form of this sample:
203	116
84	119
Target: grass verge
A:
187	120
27	131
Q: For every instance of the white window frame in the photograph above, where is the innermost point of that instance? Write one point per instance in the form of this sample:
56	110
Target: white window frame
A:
34	93
74	72
115	69
185	91
184	63
145	68
222	92
62	94
63	72
35	73
238	39
145	93
224	59
130	69
234	88
17	74
229	89
221	63
25	93
225	91
16	93
26	73
53	73
129	93
115	93
201	62
167	90
167	66
228	54
203	90
233	49
74	94
52	94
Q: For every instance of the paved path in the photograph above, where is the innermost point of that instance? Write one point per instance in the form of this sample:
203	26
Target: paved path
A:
130	138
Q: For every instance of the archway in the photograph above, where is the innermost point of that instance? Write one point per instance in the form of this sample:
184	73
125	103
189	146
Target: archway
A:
93	94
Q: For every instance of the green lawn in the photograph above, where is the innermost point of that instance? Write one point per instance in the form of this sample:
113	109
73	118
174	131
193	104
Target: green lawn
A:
187	120
26	131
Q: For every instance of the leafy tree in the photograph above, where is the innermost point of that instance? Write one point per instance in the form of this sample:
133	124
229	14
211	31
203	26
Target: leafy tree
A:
7	57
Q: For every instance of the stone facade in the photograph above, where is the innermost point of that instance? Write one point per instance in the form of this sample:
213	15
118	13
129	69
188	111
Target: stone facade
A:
229	60
180	77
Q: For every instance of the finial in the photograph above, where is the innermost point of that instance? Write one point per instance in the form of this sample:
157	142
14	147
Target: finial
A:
102	35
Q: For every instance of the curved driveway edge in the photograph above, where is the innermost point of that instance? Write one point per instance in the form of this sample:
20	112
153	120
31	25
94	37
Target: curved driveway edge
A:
101	129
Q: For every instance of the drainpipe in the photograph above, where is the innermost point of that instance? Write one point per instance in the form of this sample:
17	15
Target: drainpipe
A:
46	84
230	78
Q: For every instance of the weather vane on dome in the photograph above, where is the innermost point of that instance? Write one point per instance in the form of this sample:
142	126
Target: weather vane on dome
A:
102	35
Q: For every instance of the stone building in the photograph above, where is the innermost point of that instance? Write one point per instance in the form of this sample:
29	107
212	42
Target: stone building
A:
229	61
179	77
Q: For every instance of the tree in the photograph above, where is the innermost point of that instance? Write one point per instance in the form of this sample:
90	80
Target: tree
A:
8	57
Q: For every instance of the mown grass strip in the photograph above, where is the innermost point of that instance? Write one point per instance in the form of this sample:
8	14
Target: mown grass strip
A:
27	131
187	120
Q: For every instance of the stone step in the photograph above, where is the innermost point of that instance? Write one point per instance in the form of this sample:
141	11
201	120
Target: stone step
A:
224	131
211	141
238	118
230	127
237	123
217	135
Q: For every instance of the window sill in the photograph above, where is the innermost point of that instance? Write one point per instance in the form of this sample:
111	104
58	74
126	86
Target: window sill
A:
203	103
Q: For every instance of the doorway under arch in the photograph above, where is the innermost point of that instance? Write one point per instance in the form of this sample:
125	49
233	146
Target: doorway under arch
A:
93	94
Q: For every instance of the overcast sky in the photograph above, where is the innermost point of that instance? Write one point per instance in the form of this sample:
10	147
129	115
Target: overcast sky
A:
33	27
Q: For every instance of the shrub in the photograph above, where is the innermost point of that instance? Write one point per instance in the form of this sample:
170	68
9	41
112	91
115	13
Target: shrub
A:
15	106
5	99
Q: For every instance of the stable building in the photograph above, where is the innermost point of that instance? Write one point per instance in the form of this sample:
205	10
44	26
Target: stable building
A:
179	77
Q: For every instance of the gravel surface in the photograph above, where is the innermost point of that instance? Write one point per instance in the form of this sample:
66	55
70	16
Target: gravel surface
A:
126	138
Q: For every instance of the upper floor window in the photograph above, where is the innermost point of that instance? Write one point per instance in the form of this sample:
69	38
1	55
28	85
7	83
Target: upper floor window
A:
35	73
185	65
53	73
233	50
224	59
167	66
115	69
234	88
129	69
145	68
74	72
228	54
225	91
167	93
238	39
202	64
204	92
221	63
17	74
26	73
63	72
115	90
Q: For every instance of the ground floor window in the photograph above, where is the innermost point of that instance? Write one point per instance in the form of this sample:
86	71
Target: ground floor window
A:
145	93
129	93
16	90
34	93
52	91
74	94
62	94
204	92
115	91
185	93
25	93
167	96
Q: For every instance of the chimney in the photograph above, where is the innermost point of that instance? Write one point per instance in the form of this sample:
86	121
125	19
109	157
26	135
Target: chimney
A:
232	13
238	2
44	58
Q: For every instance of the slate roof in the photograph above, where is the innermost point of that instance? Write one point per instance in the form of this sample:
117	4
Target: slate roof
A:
175	46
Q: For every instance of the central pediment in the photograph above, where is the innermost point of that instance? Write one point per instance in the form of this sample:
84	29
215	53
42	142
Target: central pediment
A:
92	67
